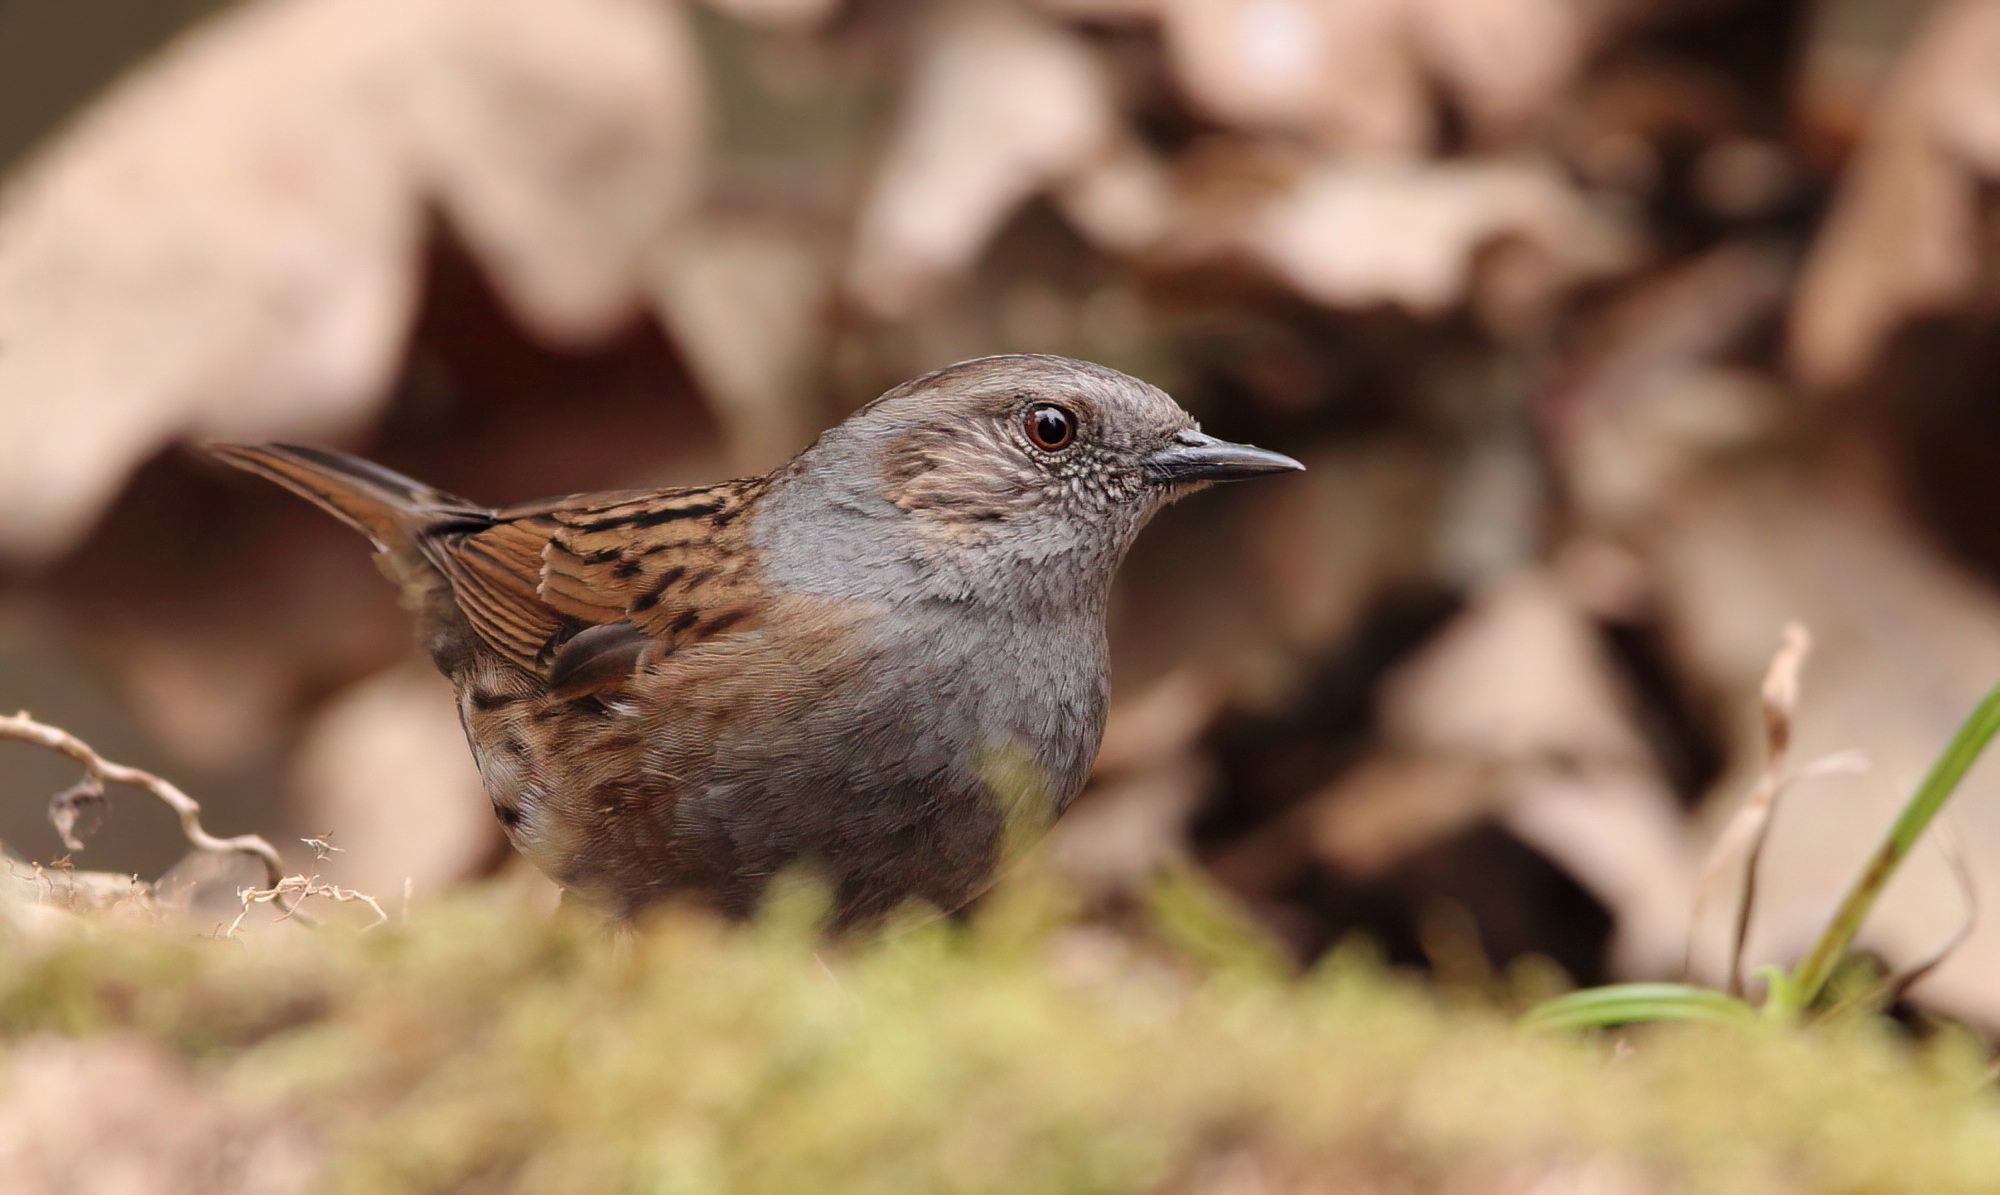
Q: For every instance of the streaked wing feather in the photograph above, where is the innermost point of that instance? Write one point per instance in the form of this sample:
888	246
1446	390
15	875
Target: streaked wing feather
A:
673	563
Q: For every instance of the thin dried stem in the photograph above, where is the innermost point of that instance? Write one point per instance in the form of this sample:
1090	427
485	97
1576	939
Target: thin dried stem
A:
299	888
1750	825
98	770
1968	890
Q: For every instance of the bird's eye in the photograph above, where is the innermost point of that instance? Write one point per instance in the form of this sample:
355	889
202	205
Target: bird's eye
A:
1049	426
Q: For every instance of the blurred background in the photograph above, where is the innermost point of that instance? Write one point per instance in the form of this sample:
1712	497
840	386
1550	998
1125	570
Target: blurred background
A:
1616	333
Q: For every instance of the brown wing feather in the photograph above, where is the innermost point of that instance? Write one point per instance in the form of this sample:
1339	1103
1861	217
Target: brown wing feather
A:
495	575
676	564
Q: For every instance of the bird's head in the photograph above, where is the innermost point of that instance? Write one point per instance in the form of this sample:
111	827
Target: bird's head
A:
990	466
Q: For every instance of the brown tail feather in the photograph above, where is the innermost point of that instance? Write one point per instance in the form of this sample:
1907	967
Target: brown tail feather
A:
387	507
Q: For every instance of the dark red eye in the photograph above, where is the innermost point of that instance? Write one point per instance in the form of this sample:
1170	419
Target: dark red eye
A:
1049	426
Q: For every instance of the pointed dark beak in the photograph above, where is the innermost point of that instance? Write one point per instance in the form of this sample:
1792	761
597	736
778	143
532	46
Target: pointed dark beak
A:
1194	456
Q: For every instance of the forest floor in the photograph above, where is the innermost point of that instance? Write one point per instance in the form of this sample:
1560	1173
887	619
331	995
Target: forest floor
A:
481	1044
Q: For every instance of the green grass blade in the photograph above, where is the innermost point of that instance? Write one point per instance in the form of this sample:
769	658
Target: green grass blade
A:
1811	975
1636	1003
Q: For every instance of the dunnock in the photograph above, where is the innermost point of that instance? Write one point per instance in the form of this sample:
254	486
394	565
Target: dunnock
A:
884	660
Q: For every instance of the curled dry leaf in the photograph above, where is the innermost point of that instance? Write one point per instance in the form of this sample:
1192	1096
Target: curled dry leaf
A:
1001	105
288	157
98	770
1339	69
1357	234
1514	712
1905	235
1355	74
78	812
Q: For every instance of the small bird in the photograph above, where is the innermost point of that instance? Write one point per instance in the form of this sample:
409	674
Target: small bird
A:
884	661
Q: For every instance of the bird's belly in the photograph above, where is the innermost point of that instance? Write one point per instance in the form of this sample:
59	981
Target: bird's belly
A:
891	774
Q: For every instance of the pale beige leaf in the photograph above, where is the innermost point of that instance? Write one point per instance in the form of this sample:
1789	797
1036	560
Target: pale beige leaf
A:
1519	675
1341	70
229	243
1620	834
1651	407
1358	234
1904	239
1121	199
1327	543
1392	805
1002	105
1503	60
747	303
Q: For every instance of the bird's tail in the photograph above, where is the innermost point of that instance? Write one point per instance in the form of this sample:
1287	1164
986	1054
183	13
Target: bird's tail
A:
387	507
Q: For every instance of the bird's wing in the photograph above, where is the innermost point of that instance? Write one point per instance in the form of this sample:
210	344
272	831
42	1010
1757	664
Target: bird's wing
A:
658	569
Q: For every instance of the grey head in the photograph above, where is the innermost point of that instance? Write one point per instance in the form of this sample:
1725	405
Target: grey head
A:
1018	479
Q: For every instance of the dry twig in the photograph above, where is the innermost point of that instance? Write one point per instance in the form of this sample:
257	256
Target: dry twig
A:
1752	820
72	802
300	888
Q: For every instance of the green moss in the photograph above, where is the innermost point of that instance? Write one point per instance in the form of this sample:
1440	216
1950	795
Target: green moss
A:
478	1047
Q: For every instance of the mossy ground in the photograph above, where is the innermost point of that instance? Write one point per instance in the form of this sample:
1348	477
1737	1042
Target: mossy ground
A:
477	1046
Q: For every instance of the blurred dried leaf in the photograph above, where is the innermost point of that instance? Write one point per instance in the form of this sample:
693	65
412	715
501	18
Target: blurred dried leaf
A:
287	157
747	304
1122	199
385	769
1520	675
1631	457
1504	61
1390	806
1329	541
1849	54
1361	234
1163	720
1342	70
1619	833
1905	234
1514	712
1001	105
1127	827
1149	778
1354	73
1648	407
789	15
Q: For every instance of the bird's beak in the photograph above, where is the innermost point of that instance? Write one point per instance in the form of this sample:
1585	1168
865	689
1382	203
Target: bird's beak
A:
1194	456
